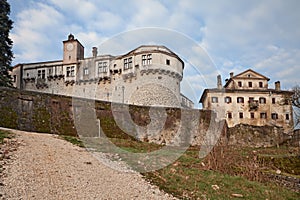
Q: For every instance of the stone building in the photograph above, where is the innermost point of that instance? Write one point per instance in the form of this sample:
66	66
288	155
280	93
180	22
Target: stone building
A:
246	99
147	75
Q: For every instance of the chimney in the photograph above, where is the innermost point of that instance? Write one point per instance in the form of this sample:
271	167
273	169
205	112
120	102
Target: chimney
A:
219	82
231	74
95	51
277	85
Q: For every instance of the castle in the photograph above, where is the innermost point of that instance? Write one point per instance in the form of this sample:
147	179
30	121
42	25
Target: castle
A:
149	75
246	99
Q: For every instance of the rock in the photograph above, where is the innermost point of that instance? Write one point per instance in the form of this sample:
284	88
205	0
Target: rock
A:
202	163
215	187
237	195
278	171
5	140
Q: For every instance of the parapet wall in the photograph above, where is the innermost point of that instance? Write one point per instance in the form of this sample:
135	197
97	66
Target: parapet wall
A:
57	114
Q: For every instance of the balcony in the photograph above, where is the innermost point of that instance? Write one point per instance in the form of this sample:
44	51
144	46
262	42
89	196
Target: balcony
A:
253	105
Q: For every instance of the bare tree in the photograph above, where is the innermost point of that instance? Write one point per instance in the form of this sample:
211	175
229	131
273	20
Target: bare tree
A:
296	104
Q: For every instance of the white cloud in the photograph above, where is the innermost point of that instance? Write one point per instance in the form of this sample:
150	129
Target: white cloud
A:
148	13
34	29
89	39
283	65
78	9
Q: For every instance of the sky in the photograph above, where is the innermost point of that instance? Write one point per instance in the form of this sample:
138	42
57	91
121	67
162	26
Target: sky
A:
212	37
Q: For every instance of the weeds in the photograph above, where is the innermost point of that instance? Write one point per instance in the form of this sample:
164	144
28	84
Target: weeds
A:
5	134
73	140
226	173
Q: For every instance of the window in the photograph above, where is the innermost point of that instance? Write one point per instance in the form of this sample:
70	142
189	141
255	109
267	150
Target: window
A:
274	116
287	116
130	62
251	99
273	100
147	59
50	72
144	60
262	100
70	71
229	115
41	74
85	71
127	63
263	115
260	84
167	62
250	84
102	67
252	115
227	99
240	99
241	115
14	78
240	83
214	99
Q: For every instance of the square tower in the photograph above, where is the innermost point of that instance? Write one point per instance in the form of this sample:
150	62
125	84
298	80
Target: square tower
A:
73	50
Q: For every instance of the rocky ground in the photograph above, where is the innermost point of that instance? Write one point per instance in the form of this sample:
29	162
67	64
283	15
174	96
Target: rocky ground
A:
42	166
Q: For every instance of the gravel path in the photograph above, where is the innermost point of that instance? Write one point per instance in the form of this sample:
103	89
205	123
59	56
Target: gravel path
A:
46	167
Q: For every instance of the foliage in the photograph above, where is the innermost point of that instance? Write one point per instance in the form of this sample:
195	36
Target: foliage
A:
6	53
8	117
5	134
73	140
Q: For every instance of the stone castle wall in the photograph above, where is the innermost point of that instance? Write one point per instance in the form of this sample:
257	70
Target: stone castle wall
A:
47	113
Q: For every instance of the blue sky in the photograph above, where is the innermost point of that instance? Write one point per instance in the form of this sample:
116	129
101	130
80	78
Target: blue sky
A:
223	36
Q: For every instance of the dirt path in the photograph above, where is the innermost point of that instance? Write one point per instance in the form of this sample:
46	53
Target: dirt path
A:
45	167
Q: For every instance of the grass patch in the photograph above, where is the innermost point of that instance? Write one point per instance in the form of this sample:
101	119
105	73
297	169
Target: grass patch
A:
186	178
134	146
5	134
74	140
